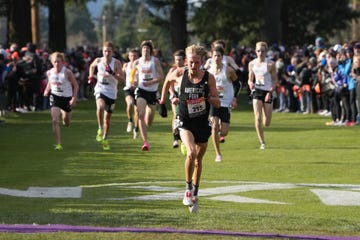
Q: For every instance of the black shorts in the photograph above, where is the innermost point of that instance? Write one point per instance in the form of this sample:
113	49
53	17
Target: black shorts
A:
150	97
60	102
223	113
129	92
200	130
260	95
109	103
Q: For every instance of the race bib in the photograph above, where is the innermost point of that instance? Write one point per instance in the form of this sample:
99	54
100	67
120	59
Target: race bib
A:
220	90
196	107
59	88
260	80
105	81
148	77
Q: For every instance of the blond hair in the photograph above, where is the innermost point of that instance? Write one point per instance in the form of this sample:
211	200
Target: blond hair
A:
195	50
262	44
56	55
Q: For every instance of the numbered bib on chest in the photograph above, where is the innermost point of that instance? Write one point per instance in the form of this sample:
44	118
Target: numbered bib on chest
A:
196	107
105	81
260	80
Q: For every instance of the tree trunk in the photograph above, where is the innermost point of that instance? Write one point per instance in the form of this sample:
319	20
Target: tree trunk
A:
272	25
178	25
35	22
57	31
19	22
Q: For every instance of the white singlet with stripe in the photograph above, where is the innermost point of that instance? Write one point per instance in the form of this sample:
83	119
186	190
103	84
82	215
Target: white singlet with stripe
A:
60	85
262	75
147	72
224	86
106	84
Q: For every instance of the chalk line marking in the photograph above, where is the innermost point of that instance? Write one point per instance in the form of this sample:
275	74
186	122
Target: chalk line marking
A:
240	199
44	192
329	194
337	197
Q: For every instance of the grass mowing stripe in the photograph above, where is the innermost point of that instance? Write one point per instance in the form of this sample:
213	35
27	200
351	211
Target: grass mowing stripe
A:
300	150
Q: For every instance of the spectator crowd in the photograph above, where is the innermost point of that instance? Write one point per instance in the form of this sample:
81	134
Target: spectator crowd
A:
313	78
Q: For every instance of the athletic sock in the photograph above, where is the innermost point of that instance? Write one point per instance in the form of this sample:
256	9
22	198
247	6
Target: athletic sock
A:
189	185
196	189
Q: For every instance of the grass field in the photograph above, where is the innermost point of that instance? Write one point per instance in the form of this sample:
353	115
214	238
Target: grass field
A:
302	156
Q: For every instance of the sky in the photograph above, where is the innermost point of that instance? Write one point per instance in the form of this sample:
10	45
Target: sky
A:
95	7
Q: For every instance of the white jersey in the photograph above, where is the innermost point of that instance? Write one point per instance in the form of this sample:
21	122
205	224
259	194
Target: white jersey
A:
60	85
106	84
147	72
262	75
224	86
223	61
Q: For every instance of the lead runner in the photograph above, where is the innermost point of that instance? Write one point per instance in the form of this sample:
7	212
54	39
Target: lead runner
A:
197	91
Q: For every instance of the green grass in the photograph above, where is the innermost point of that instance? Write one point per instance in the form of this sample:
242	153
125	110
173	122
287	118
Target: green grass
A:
300	149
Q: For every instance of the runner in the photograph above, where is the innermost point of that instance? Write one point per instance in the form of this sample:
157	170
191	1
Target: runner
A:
150	74
109	73
197	92
179	62
262	80
220	117
129	92
63	88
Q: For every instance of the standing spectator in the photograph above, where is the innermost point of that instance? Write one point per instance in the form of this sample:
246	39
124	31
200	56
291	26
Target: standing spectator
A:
355	74
63	88
344	67
34	75
109	73
283	93
262	80
351	86
150	74
3	86
338	79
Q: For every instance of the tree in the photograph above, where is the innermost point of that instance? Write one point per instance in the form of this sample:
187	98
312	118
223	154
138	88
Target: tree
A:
19	28
178	24
79	26
233	21
276	21
126	30
57	31
308	19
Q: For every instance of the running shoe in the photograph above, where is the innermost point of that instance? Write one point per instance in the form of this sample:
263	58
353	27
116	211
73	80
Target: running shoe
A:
188	195
218	158
195	206
99	135
175	144
129	127
262	146
106	145
330	123
350	123
135	134
183	149
145	147
221	139
58	147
